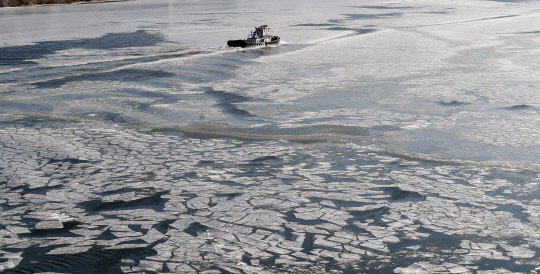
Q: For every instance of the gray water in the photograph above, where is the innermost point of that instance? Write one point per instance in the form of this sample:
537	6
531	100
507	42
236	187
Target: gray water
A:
378	137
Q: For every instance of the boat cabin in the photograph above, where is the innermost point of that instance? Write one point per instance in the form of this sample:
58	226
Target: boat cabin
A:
261	34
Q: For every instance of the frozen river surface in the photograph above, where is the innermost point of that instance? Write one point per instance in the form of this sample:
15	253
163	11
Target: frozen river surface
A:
379	137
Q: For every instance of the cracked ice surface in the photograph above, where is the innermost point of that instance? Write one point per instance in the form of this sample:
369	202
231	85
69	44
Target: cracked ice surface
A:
134	201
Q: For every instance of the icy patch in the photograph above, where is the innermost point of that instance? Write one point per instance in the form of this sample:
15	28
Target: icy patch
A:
267	206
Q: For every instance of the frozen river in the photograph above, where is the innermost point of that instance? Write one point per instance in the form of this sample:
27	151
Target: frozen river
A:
379	137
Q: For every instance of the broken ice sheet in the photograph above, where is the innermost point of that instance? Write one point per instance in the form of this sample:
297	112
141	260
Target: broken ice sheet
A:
49	225
69	250
261	223
518	251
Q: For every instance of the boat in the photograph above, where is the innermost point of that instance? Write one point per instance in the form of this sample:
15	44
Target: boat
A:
259	38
